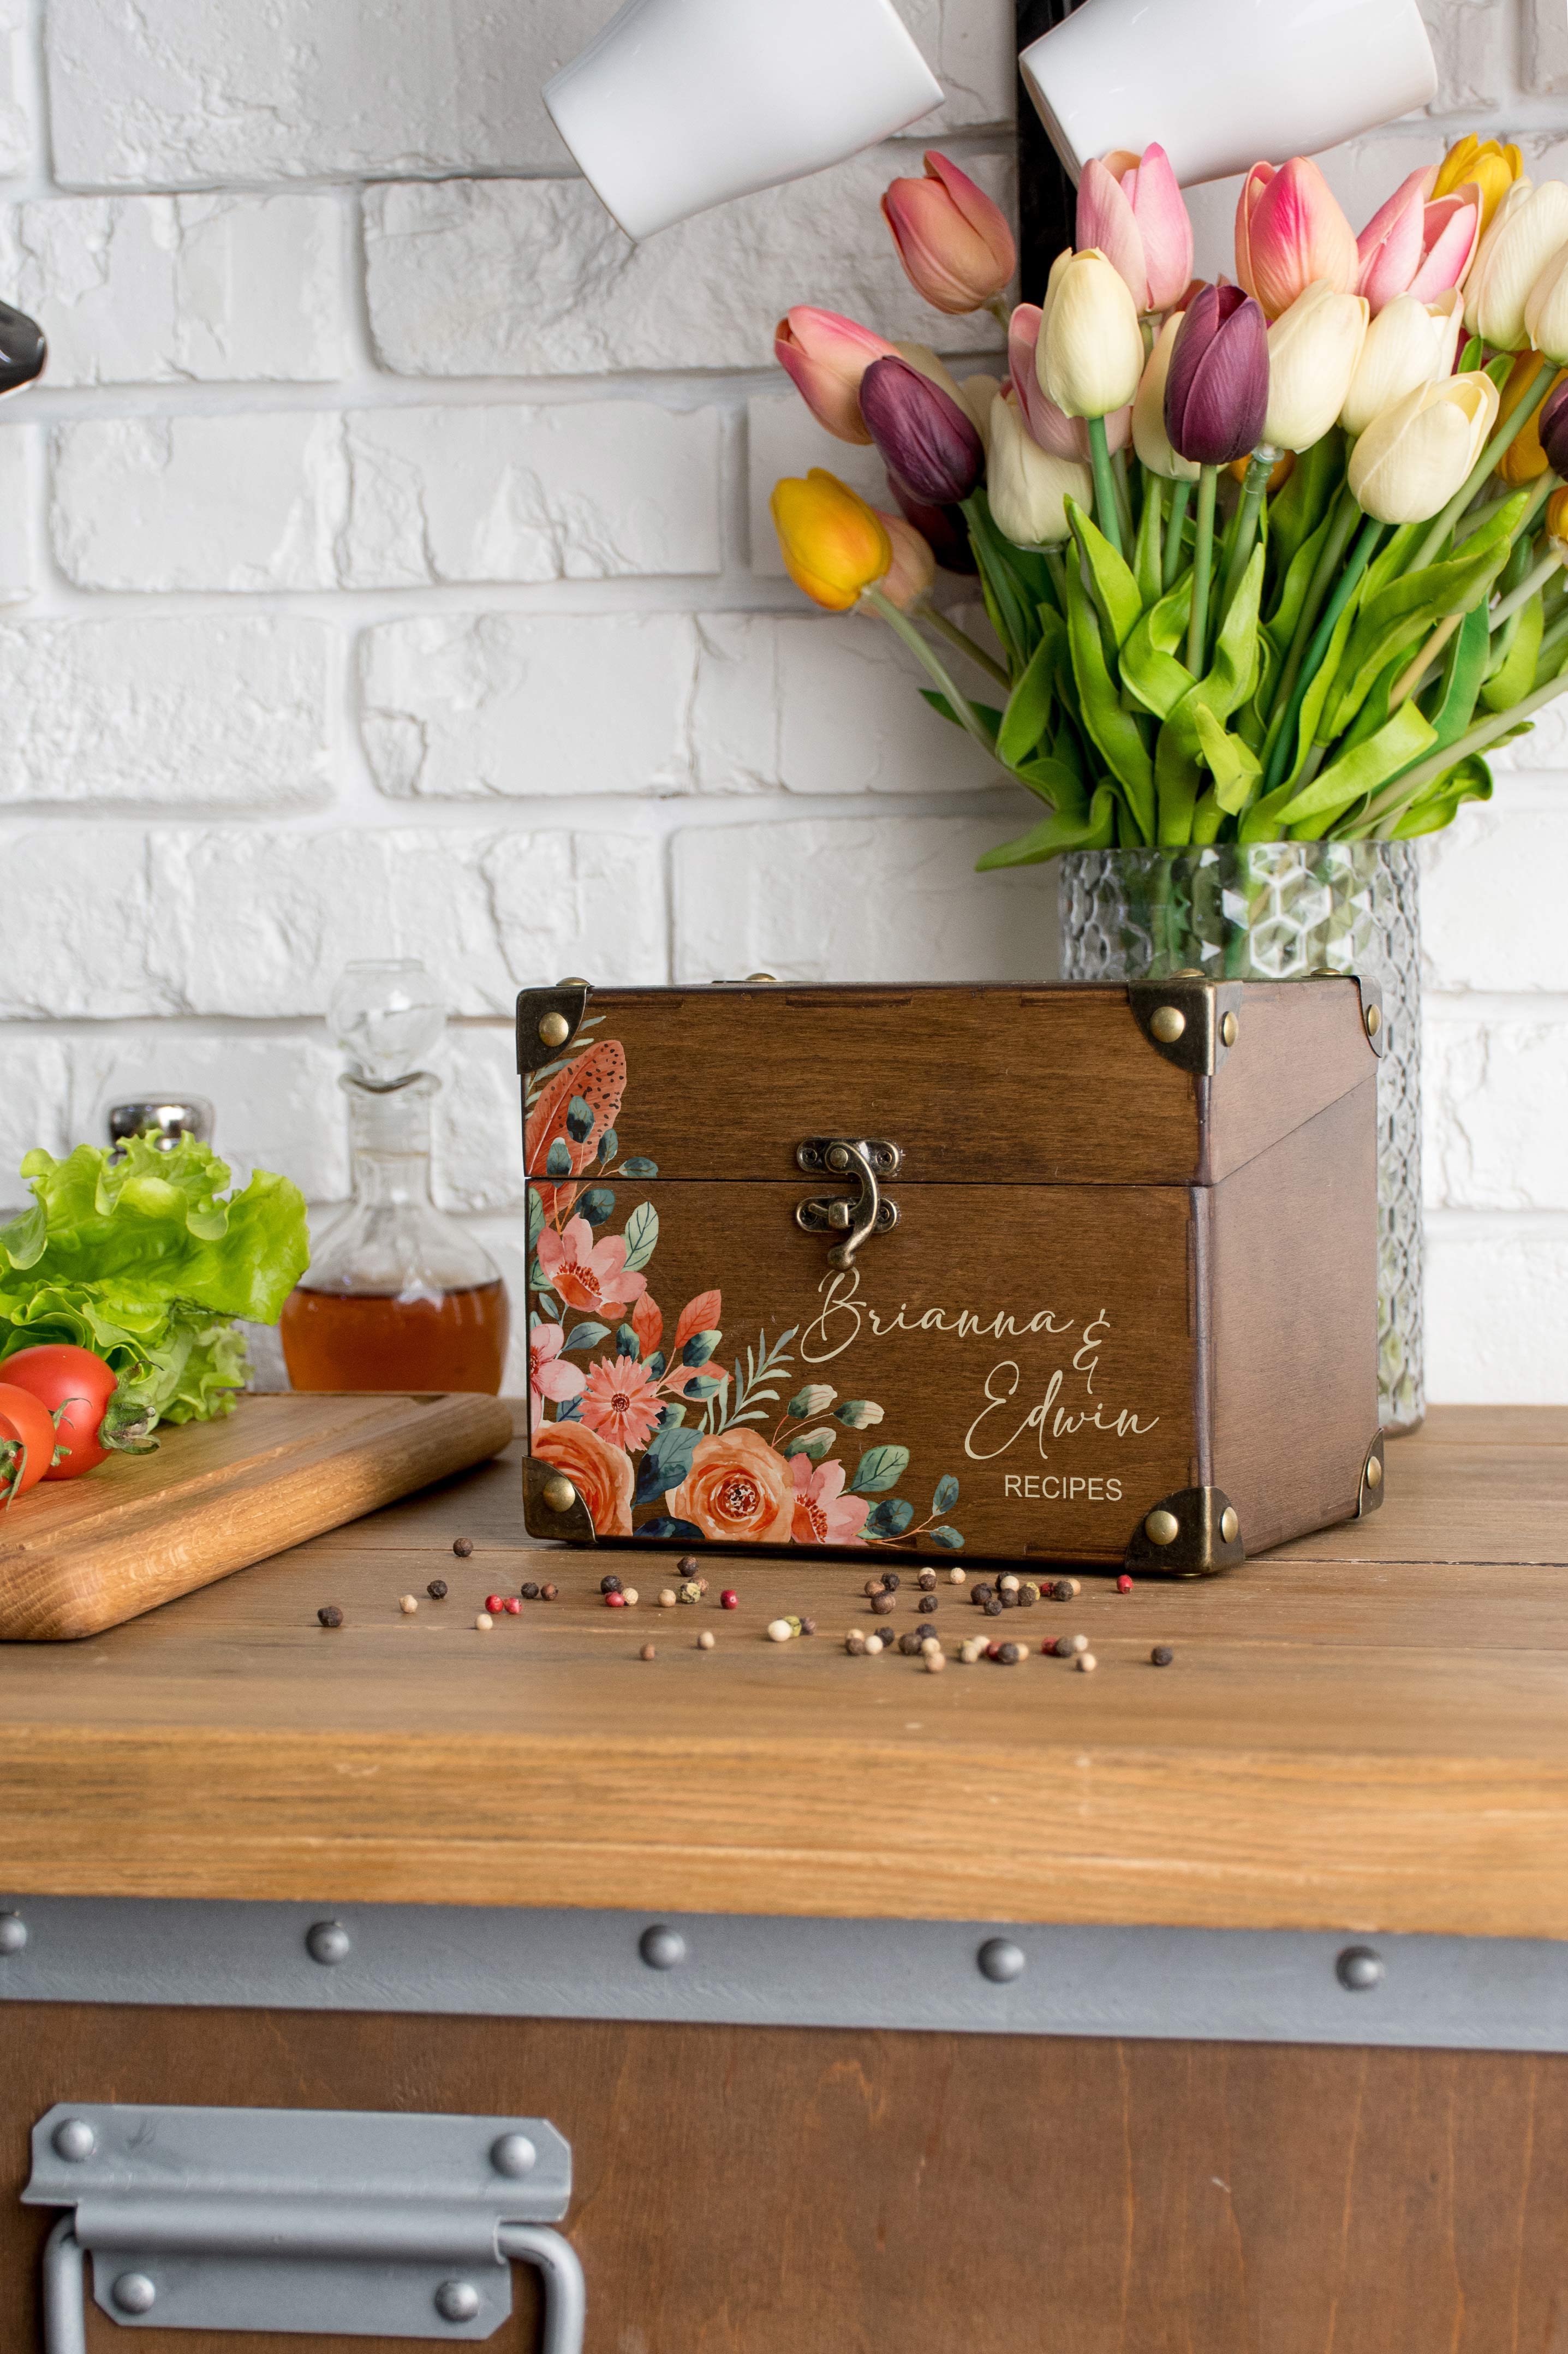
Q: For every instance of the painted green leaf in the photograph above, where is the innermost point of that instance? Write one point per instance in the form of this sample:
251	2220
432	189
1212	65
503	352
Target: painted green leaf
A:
879	1469
699	1348
856	1413
814	1399
656	1365
665	1531
665	1463
638	1167
948	1539
706	1385
641	1235
607	1148
579	1121
584	1335
889	1519
946	1494
812	1444
672	1416
597	1205
627	1344
536	1215
558	1160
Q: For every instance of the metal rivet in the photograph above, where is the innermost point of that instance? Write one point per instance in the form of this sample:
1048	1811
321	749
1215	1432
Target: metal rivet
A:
1229	1524
555	1029
1161	1528
13	1933
1374	1021
74	2138
328	1942
134	2293
1374	1472
1228	1030
571	981
773	977
558	1493
457	2300
513	2155
1167	1023
661	1948
1359	1969
1001	1961
1188	972
837	1157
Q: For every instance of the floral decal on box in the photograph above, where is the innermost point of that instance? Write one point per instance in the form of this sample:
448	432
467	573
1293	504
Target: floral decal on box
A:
655	1420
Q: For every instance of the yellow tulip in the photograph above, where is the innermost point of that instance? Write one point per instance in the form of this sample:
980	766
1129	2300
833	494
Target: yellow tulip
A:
1491	168
1525	460
833	544
1412	459
1557	517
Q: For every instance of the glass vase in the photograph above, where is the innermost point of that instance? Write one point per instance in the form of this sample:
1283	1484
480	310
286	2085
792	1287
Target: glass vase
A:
1271	911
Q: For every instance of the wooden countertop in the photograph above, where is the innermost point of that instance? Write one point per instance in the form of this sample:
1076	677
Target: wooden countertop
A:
1365	1731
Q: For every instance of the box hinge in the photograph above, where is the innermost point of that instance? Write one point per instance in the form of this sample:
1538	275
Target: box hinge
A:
320	2222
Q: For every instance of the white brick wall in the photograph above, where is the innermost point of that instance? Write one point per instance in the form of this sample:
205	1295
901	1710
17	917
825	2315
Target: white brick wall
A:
386	568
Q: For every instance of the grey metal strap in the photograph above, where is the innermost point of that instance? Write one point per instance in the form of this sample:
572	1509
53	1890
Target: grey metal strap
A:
65	2266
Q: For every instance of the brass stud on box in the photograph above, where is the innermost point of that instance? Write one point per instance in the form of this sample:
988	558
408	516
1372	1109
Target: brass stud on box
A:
1162	1528
1230	1527
1375	1019
555	1030
1228	1027
559	1494
1168	1022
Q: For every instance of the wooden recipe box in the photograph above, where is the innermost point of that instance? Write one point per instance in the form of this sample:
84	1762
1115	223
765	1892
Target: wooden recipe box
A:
1078	1273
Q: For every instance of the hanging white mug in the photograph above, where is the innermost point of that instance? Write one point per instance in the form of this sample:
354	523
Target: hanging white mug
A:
681	104
1224	84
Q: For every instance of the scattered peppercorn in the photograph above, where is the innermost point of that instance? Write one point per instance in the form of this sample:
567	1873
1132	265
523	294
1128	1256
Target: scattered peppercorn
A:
629	1596
1010	1654
993	1608
1031	1589
956	1577
437	1589
610	1585
528	1590
729	1599
935	1663
1086	1663
927	1603
855	1642
779	1630
1161	1655
982	1594
926	1580
1063	1590
873	1644
1027	1597
407	1604
647	1652
330	1615
890	1579
808	1625
547	1592
687	1564
493	1601
1080	1642
707	1640
882	1604
1124	1583
1009	1583
512	1606
462	1547
1063	1647
873	1586
929	1643
483	1623
615	1601
972	1651
690	1594
702	1585
667	1598
1008	1601
910	1643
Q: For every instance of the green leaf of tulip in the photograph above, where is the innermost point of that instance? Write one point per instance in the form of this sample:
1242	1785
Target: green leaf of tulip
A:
1115	731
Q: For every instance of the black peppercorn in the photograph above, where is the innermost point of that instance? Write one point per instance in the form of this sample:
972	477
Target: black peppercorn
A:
981	1594
529	1591
1025	1599
928	1580
437	1589
462	1547
926	1603
330	1615
993	1608
1161	1655
1008	1601
687	1564
609	1585
1063	1590
890	1580
1010	1655
882	1604
808	1625
1064	1647
910	1643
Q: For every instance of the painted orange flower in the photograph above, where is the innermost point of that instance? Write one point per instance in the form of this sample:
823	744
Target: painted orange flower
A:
737	1491
601	1473
621	1400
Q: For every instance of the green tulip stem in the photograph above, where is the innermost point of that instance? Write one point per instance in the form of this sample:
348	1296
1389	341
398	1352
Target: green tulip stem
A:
1501	442
1058	571
1360	557
1264	462
1123	497
933	662
1413	678
965	645
1181	499
1478	516
1107	513
1535	578
1317	587
1202	554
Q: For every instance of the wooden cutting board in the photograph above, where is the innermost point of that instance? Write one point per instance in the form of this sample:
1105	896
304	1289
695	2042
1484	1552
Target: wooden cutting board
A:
77	1556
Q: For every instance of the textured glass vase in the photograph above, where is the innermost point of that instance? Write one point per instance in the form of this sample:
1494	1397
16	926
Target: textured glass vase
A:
1270	911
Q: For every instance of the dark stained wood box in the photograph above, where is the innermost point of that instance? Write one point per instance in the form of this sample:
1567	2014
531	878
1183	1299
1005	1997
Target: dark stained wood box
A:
1073	1274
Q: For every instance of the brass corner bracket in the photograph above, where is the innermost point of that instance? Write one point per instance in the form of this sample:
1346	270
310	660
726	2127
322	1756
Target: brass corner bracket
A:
1191	1020
546	1512
1375	1021
1194	1533
547	1020
1368	1494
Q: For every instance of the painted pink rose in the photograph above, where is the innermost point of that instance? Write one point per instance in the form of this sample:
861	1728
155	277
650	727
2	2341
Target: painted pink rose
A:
621	1400
601	1473
587	1274
550	1374
824	1513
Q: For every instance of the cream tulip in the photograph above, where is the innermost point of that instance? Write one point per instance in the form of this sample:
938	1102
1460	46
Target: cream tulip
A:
1546	309
1531	225
977	393
1408	344
923	359
1313	348
1410	460
1149	438
1027	487
1090	353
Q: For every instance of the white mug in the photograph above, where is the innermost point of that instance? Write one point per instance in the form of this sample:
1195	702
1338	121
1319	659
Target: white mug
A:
681	104
1224	84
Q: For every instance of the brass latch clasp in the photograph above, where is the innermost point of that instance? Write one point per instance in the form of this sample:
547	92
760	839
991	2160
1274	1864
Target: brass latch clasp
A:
855	1216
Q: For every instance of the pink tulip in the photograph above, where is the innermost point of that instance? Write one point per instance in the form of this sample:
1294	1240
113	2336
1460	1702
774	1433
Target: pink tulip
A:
1412	247
1062	436
1147	186
954	246
1290	232
827	356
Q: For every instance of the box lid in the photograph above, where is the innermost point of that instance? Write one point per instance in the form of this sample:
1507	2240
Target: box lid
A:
1171	1082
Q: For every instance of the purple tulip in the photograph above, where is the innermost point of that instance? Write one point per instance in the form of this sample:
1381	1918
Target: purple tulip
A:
1553	427
924	437
1216	393
943	527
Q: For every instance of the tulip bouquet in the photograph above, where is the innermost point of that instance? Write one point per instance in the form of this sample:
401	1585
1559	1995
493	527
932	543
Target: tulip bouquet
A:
1276	559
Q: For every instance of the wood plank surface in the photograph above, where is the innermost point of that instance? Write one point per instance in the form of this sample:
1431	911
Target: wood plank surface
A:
80	1555
766	2190
1367	1731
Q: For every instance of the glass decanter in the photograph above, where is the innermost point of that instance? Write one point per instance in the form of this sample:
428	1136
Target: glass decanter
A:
397	1296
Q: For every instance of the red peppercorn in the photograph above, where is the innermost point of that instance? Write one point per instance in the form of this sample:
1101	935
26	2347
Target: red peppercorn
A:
512	1606
1124	1583
615	1601
730	1598
492	1603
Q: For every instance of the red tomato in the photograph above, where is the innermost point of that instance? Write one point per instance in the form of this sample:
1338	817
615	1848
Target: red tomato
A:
75	1386
28	1440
